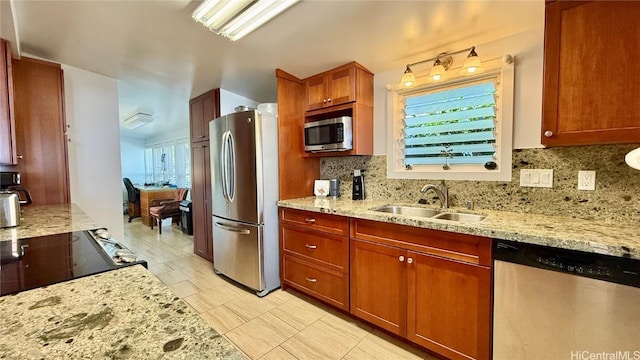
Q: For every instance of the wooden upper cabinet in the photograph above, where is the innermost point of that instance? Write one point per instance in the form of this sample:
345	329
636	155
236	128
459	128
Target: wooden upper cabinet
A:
344	91
40	130
8	154
332	88
591	72
203	109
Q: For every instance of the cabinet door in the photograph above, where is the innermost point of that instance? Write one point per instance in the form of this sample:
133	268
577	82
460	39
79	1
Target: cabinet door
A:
449	306
203	109
201	201
7	121
196	114
316	88
378	285
40	130
589	64
343	87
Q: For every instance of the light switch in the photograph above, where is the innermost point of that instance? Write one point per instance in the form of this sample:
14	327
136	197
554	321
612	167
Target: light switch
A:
536	177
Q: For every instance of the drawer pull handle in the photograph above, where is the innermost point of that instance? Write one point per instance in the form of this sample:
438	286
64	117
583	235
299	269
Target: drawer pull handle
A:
409	261
310	220
401	258
310	246
311	279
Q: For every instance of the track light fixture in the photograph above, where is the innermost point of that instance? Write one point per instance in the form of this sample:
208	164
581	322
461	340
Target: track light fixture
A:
442	63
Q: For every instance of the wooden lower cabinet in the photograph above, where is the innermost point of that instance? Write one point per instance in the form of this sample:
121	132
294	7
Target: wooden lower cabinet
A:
429	297
431	287
324	284
449	306
378	285
315	255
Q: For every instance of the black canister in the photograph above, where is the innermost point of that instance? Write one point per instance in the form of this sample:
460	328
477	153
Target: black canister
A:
357	192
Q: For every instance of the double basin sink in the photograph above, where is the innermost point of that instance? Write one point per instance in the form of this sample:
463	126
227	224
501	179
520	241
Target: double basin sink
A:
429	213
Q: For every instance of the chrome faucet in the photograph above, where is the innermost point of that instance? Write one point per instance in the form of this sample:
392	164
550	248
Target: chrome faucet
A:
442	192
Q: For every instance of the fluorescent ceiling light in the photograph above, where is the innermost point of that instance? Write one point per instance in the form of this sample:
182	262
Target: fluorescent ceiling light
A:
236	18
137	120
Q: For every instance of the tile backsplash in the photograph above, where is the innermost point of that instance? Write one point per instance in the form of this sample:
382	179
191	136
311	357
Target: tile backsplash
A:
616	197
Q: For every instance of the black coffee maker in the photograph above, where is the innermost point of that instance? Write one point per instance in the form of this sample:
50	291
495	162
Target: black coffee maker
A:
10	198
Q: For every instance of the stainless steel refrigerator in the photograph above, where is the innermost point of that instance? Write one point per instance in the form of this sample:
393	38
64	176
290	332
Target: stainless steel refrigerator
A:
244	173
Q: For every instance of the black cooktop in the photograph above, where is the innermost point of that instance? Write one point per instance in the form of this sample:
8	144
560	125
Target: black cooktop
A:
44	260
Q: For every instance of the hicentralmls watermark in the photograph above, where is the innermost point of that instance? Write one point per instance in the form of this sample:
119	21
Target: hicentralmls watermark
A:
605	355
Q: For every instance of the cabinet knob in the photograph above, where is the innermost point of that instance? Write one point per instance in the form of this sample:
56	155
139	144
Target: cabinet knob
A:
324	101
310	220
409	261
311	246
20	157
311	279
548	133
329	100
401	258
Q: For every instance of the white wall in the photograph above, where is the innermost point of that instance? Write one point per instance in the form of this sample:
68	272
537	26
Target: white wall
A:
91	102
168	136
527	47
132	159
229	101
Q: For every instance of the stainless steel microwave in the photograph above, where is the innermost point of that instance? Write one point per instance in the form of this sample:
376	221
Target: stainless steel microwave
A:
334	134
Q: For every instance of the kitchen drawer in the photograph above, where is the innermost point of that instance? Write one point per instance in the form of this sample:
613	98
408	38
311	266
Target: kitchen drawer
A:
322	283
461	247
317	221
325	249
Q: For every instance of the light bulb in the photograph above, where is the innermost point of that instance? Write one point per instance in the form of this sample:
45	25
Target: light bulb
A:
408	79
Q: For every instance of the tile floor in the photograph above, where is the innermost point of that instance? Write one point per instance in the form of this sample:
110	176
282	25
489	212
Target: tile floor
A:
281	325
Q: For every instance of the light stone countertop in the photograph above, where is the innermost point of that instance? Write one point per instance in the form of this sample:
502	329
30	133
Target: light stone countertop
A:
125	313
48	220
616	239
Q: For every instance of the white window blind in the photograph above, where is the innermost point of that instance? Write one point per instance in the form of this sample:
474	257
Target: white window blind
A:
169	162
454	126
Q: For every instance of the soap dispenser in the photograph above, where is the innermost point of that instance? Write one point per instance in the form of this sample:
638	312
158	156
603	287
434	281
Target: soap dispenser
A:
358	186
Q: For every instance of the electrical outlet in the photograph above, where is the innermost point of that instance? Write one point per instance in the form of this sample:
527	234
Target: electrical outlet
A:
586	180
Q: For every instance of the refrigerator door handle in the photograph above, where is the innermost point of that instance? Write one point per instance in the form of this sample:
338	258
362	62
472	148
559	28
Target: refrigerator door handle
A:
223	165
231	170
230	228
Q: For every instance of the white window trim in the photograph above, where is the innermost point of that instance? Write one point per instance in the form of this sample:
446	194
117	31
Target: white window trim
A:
504	130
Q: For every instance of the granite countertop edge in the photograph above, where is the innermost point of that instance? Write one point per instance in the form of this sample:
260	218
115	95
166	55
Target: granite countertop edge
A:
620	240
42	220
125	313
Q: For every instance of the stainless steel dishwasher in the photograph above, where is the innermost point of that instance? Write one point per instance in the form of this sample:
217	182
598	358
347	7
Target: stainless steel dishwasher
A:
552	303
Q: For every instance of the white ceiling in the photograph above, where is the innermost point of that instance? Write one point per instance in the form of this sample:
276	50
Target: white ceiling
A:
162	58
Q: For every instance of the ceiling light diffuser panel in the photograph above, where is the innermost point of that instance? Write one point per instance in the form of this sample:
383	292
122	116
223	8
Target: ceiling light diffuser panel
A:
236	18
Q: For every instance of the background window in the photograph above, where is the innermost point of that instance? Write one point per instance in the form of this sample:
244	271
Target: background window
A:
169	162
